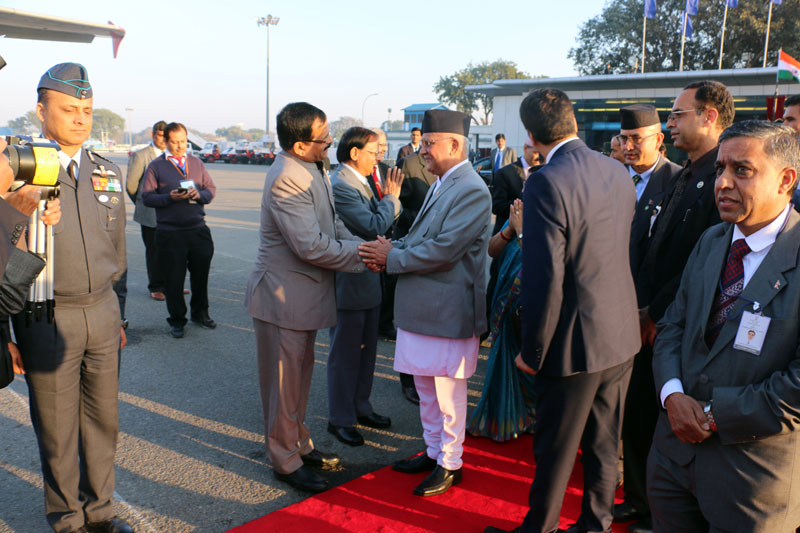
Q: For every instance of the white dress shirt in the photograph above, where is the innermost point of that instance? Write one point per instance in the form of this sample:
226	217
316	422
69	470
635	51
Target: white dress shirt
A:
760	243
642	185
64	159
552	152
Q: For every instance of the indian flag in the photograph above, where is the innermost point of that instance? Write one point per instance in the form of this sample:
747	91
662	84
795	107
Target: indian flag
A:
788	67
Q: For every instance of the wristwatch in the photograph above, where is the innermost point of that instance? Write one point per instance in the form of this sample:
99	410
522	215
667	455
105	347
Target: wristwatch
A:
710	416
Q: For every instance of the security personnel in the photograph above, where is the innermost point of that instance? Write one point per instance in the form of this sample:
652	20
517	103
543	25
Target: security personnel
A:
71	364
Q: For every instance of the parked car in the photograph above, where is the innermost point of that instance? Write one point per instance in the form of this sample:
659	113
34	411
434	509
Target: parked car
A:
483	167
227	154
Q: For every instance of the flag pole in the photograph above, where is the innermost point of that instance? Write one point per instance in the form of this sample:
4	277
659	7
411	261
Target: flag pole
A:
683	39
644	40
766	41
777	77
722	40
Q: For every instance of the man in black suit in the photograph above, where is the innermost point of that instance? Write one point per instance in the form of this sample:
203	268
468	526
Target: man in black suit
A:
508	181
579	329
652	176
699	115
410	148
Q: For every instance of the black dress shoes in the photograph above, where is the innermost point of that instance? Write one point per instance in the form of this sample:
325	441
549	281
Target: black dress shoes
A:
415	465
438	481
347	435
320	459
492	529
304	479
115	525
625	512
411	395
575	528
204	321
645	525
375	420
177	332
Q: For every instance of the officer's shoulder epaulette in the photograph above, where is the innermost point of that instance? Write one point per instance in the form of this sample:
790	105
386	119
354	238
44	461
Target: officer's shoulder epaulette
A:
98	159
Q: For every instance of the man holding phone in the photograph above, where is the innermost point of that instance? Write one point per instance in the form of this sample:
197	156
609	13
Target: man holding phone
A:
178	186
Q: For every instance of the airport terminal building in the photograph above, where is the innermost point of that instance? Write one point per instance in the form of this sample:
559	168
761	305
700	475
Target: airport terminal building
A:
597	99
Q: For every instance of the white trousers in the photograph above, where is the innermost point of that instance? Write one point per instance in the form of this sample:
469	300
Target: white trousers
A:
443	412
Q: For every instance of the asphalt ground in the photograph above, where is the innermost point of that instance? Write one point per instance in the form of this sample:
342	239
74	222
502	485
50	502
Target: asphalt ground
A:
191	443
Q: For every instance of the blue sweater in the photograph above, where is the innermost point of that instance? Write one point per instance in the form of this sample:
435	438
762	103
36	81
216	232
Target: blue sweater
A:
162	177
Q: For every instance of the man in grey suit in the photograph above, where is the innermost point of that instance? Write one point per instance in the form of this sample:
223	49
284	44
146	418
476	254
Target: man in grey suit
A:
580	327
354	338
146	216
724	454
442	259
290	293
502	155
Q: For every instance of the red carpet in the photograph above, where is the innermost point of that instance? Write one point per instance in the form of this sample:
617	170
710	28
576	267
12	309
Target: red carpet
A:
494	492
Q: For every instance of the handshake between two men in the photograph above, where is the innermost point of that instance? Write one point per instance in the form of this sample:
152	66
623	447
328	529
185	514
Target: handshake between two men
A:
375	253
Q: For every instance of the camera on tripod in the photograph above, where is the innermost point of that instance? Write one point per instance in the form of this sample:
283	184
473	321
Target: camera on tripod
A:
34	161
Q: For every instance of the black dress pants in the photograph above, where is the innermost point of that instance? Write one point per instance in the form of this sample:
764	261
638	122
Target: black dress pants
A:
177	250
155	274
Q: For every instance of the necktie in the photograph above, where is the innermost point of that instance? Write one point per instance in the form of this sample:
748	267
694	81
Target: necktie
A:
497	159
730	288
636	179
377	181
72	170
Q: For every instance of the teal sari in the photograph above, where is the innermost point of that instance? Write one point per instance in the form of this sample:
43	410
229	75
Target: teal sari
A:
505	409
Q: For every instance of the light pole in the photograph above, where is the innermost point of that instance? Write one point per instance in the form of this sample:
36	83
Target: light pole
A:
362	107
268	21
130	127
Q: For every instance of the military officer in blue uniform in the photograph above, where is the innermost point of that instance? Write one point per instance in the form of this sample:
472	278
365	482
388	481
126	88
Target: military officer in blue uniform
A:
71	362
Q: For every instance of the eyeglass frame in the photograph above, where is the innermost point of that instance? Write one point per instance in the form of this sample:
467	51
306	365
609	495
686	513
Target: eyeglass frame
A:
623	139
319	141
428	144
672	114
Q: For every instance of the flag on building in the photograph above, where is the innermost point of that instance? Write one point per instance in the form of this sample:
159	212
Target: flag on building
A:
650	9
788	67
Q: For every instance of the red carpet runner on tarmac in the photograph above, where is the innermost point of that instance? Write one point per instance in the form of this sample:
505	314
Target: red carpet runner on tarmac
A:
494	492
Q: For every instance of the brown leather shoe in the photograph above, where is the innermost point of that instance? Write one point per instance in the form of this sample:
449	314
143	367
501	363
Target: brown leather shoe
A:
115	525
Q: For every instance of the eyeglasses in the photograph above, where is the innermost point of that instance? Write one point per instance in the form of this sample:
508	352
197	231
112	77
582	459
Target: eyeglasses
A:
326	140
623	139
674	114
429	143
370	152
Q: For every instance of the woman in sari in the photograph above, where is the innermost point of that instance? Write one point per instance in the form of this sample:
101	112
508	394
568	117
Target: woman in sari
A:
505	409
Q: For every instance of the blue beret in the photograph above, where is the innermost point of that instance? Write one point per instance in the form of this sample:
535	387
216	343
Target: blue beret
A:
67	78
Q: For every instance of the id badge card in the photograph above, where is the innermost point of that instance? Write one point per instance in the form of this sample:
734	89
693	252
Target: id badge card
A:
188	184
752	332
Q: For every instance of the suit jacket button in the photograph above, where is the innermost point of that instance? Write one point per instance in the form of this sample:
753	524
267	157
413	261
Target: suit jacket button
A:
703	379
18	227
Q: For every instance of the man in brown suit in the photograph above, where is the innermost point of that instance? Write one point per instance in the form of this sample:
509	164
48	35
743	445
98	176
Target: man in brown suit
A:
290	294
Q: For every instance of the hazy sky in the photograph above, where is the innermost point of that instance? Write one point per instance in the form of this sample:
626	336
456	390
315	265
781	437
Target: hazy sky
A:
204	62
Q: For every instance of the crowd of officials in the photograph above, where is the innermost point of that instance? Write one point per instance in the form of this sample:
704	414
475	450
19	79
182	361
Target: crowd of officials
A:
658	307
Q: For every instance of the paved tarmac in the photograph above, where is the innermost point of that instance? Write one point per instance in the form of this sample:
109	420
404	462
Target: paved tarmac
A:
191	444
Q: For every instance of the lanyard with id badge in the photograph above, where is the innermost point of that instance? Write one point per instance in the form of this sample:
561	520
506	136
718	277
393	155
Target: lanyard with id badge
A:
752	330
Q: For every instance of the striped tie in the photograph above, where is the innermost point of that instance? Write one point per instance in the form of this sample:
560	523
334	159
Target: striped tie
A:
730	288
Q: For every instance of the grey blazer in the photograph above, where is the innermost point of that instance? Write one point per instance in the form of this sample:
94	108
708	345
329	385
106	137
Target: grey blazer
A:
301	243
366	218
146	216
748	471
509	156
442	291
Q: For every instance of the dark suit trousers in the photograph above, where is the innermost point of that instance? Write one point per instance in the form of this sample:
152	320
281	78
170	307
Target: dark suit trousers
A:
580	410
177	250
351	365
155	275
638	425
388	284
71	370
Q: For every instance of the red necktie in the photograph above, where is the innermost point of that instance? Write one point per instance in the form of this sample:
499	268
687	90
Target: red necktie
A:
377	181
730	288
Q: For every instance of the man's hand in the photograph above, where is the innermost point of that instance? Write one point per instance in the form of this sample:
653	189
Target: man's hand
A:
194	194
25	199
687	418
375	252
16	358
393	182
647	327
522	365
178	196
52	212
6	174
123	340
